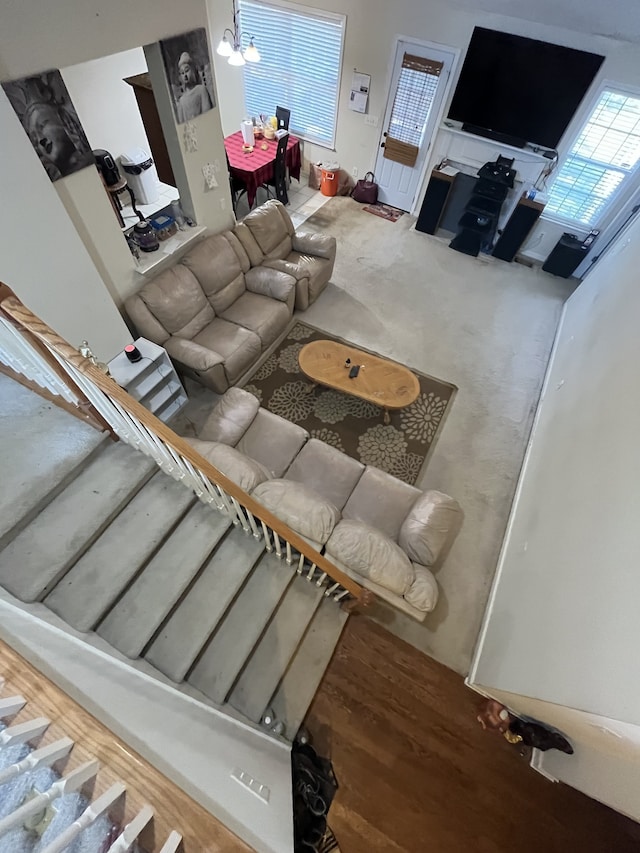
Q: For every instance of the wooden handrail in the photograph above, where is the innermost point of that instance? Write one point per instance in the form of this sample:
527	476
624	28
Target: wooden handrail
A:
40	330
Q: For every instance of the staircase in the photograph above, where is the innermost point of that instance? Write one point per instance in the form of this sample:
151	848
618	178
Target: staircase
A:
124	553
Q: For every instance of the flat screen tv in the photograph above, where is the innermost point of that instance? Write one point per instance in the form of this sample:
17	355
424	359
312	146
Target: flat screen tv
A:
520	90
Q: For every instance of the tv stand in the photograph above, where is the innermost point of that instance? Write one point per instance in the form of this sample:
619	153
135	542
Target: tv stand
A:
487	133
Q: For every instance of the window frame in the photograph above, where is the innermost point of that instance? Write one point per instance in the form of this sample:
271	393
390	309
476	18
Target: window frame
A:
311	12
629	184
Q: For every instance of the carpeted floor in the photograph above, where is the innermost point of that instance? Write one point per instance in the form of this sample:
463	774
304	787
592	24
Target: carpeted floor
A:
352	425
486	326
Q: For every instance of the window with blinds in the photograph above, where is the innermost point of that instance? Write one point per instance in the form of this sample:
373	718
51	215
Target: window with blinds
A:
299	68
602	160
415	93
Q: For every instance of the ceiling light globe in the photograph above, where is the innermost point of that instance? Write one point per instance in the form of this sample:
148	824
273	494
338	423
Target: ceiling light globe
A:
251	54
236	58
224	48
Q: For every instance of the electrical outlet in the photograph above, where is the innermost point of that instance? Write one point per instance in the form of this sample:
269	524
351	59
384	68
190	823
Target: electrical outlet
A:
372	121
354	171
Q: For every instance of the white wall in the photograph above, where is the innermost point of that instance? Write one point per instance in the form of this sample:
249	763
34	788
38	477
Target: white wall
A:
42	257
562	622
105	104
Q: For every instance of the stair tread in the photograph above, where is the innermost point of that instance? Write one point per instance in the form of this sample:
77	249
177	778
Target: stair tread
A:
46	447
272	655
34	561
239	631
151	597
92	585
300	682
183	636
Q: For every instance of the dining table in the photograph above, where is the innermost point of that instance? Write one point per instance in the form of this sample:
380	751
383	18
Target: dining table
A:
256	167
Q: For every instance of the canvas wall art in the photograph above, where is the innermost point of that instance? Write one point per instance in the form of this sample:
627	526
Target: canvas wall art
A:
43	105
188	69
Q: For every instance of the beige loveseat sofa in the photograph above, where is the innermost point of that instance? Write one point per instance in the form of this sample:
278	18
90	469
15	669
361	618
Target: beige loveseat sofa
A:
229	298
387	535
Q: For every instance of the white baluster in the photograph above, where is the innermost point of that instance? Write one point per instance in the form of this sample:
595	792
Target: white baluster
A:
23	732
300	564
289	558
228	505
132	831
311	571
172	843
43	757
331	589
320	580
254	526
11	705
93	811
340	595
267	538
241	515
278	545
72	782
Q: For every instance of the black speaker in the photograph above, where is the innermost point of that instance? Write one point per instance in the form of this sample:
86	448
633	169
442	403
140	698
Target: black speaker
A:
566	256
433	203
517	229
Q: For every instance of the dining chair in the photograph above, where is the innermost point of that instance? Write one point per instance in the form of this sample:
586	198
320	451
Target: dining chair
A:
237	187
278	183
282	117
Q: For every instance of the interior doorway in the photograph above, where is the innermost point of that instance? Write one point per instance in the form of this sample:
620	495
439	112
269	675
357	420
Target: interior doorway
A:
420	82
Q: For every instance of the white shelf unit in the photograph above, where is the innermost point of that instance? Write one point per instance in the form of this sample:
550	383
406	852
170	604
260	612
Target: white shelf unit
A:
153	382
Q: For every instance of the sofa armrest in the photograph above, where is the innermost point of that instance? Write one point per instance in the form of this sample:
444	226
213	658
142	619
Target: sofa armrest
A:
270	282
144	321
430	525
294	270
191	354
320	245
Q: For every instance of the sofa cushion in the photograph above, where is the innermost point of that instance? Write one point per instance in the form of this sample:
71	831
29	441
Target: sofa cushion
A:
272	441
239	347
245	472
231	417
426	528
327	470
269	282
219	263
176	299
265	316
372	554
271	228
382	501
299	507
423	592
248	242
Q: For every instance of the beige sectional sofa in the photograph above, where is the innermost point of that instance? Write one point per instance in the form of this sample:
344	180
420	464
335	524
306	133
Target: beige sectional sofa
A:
229	298
387	535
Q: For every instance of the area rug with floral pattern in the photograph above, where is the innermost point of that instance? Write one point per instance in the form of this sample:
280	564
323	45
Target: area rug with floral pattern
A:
352	425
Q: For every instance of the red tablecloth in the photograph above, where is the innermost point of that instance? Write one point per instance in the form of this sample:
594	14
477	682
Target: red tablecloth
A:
256	168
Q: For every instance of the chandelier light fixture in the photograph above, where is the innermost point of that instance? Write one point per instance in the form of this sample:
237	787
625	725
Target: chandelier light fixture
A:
232	47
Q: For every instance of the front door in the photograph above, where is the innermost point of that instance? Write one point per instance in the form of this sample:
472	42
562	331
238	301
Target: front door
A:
419	83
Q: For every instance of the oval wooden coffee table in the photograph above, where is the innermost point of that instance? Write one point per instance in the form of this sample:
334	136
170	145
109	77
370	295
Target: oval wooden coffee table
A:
382	382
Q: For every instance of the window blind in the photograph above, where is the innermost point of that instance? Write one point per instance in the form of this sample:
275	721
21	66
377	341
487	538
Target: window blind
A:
415	91
603	158
299	68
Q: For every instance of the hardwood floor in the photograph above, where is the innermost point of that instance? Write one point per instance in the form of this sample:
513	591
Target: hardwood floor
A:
417	773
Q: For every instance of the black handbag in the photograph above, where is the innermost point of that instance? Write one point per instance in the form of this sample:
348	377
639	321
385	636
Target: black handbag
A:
365	190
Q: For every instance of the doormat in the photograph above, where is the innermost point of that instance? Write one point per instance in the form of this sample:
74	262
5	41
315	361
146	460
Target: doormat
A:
352	425
391	214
